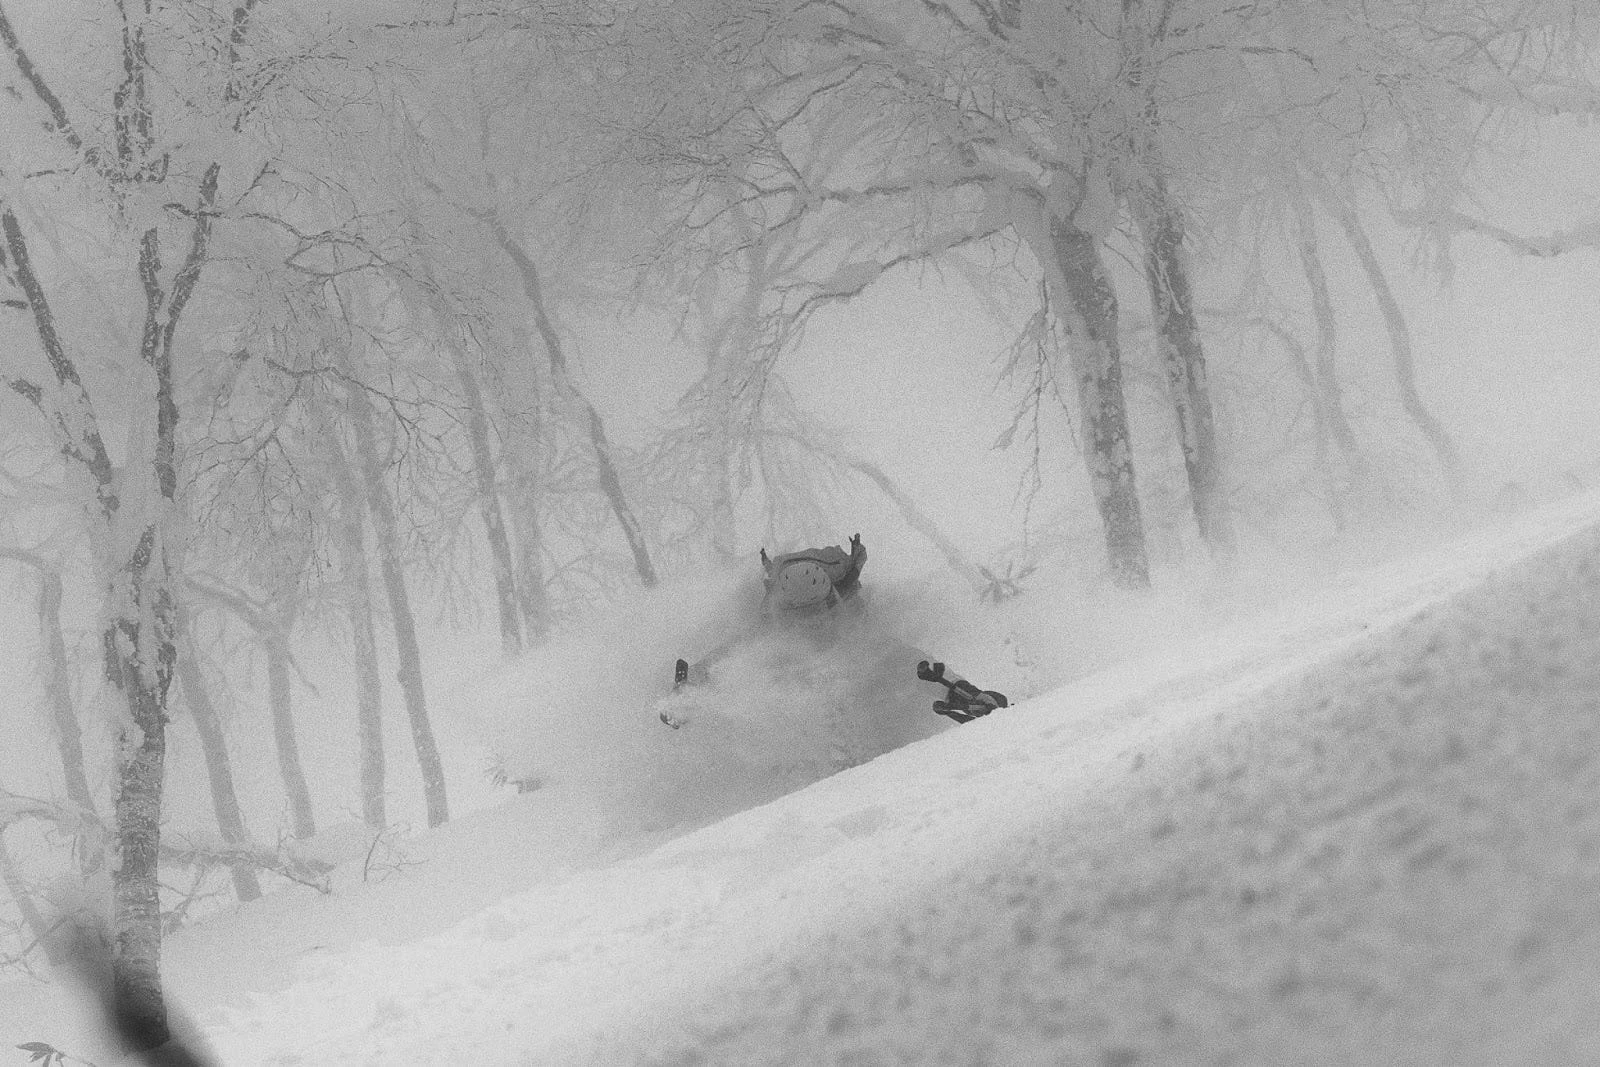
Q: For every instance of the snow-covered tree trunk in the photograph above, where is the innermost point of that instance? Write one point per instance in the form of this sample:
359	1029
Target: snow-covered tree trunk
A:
610	481
139	660
280	702
1327	395
408	650
22	896
1394	320
273	636
1163	229
1097	367
1321	461
520	458
350	535
533	598
1084	301
58	691
735	341
134	520
219	769
494	525
369	679
138	636
1183	357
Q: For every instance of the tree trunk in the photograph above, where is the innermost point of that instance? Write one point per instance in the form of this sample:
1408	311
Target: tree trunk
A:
1097	366
69	733
1085	303
1327	394
280	700
736	340
219	769
138	542
610	482
138	640
1394	321
521	461
1182	355
1320	459
139	659
1161	223
32	917
386	531
273	636
352	542
494	526
369	679
533	598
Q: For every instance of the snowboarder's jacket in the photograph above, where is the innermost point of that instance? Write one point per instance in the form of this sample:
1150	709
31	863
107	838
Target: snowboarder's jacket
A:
814	577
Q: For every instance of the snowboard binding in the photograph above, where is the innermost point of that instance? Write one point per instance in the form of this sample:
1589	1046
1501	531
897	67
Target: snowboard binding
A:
963	701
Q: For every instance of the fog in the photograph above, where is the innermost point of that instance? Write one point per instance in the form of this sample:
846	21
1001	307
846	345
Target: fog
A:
394	394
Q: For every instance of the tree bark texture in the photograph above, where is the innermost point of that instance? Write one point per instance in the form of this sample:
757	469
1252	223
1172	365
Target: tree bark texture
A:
1160	217
131	544
1088	304
1183	357
408	650
138	640
139	661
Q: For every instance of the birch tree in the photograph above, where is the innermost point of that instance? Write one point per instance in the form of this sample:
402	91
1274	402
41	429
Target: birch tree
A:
144	174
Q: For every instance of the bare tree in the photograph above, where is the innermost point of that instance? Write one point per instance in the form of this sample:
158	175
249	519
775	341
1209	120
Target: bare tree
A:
1163	227
271	625
1343	212
610	479
369	462
1328	395
58	685
355	564
143	195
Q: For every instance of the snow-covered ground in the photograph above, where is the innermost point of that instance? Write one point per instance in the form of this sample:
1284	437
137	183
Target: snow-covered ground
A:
1360	826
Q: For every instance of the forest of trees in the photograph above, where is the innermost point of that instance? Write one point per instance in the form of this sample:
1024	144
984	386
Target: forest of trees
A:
288	293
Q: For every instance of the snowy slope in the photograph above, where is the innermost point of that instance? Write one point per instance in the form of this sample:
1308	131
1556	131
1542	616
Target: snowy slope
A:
1364	829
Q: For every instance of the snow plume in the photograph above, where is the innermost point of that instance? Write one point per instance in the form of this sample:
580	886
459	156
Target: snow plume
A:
575	719
578	721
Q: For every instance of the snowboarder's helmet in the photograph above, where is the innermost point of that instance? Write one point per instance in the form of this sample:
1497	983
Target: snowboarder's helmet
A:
802	583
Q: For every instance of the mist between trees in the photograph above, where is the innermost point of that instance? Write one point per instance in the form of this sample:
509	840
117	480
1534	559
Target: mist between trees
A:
289	294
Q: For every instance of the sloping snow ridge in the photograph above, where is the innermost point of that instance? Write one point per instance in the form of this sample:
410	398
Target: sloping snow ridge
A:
1365	830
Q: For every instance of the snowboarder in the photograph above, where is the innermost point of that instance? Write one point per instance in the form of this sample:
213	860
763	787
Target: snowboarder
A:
813	579
813	593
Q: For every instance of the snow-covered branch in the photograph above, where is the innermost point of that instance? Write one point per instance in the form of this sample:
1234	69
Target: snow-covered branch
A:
1448	222
58	121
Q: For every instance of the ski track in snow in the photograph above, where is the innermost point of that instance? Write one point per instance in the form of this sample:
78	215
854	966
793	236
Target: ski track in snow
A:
1358	830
